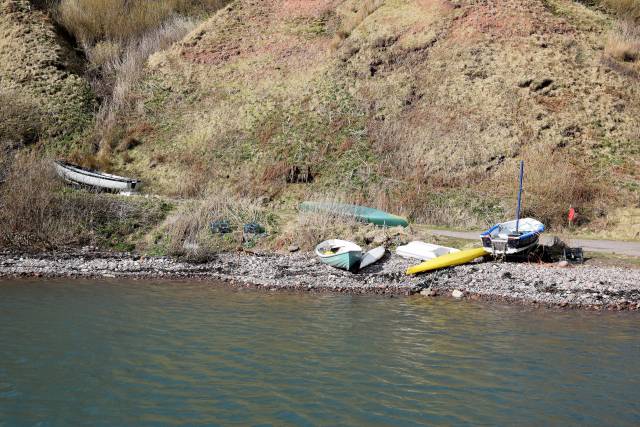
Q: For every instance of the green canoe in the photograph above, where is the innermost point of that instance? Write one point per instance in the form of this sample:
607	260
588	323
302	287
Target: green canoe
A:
360	213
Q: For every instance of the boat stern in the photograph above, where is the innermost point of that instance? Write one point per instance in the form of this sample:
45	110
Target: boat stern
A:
349	261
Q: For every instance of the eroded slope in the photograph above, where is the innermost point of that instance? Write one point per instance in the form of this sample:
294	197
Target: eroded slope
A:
417	106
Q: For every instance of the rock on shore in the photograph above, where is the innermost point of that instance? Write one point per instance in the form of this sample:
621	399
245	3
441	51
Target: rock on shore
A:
576	287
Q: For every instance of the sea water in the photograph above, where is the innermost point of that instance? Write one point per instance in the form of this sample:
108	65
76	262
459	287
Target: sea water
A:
178	353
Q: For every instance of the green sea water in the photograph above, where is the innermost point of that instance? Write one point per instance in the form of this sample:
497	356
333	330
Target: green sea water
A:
118	353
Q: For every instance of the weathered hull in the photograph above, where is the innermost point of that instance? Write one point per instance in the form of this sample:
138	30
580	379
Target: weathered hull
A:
346	261
78	175
503	247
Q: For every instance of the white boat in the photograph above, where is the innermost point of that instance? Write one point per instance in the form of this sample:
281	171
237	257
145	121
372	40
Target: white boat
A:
372	256
423	251
87	177
512	237
340	254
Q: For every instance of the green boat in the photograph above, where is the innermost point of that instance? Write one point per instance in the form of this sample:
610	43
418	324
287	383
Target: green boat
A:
340	254
360	213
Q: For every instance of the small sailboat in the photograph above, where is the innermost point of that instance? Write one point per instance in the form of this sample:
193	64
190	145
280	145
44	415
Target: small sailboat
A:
513	237
340	254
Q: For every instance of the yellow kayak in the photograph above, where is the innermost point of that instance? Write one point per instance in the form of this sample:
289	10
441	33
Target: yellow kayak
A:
448	260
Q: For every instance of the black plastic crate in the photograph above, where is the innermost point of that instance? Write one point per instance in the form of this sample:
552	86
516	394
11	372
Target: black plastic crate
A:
574	255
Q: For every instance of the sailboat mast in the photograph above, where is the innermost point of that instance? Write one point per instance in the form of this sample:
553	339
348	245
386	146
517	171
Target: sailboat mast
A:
519	196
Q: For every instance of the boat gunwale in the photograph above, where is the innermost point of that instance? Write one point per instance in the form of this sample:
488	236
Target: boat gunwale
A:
95	174
539	230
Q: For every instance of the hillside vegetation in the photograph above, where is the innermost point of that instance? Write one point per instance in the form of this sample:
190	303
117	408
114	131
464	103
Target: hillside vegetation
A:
419	107
422	107
44	97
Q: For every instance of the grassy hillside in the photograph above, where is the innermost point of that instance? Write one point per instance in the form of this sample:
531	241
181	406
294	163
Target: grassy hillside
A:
419	107
44	97
422	107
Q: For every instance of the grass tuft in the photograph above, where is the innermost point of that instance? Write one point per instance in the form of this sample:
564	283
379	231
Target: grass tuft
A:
360	13
120	21
623	44
625	9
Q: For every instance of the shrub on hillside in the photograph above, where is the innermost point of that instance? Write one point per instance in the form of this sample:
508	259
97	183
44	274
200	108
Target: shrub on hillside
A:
91	21
38	212
553	183
21	120
625	9
187	232
623	44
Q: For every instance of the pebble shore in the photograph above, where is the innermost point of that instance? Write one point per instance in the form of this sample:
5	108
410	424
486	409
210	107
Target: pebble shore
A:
586	287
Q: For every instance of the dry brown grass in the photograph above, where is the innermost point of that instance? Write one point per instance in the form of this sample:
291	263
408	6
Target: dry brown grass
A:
122	71
429	162
625	9
554	181
121	21
311	228
360	13
21	120
118	37
37	211
187	231
104	54
623	44
29	218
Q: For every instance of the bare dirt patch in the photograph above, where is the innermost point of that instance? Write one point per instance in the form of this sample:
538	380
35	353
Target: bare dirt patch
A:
506	19
288	9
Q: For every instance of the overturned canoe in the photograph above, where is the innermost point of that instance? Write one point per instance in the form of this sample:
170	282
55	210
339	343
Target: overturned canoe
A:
372	256
360	213
87	177
448	260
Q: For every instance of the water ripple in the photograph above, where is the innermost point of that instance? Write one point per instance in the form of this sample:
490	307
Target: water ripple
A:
131	353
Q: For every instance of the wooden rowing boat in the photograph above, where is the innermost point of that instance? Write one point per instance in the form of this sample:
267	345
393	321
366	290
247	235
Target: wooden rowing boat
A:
87	177
340	254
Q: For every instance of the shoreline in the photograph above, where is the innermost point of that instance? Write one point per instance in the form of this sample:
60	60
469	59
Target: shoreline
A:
544	285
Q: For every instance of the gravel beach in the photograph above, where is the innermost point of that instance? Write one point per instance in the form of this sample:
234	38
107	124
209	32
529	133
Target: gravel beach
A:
586	287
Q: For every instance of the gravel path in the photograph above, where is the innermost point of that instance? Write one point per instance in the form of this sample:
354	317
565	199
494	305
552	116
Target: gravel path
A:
548	285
